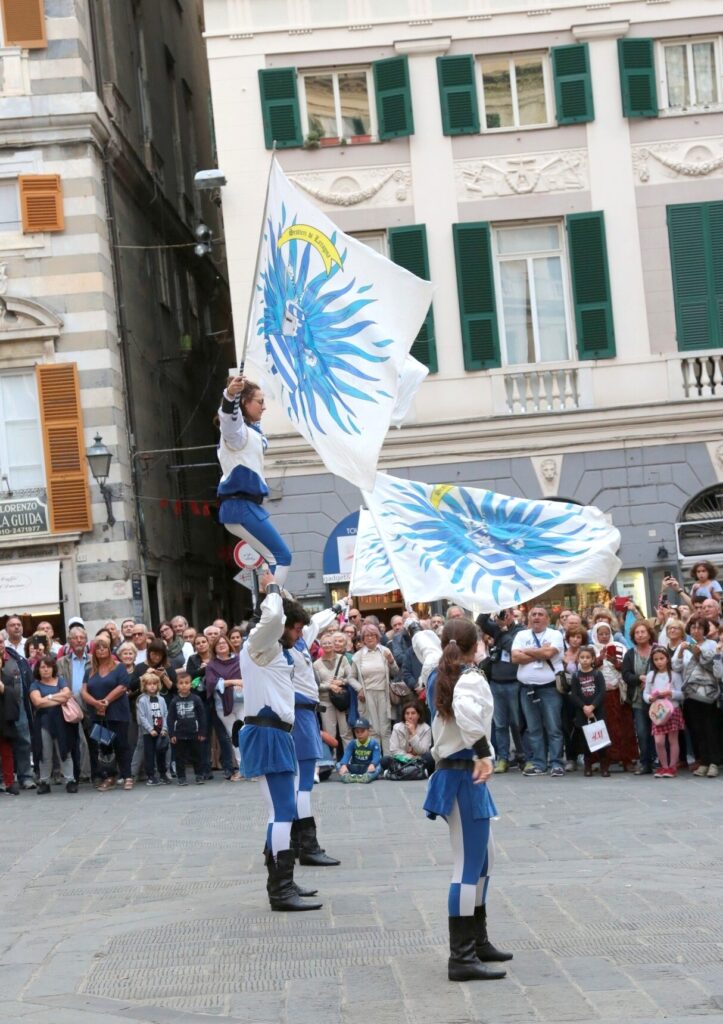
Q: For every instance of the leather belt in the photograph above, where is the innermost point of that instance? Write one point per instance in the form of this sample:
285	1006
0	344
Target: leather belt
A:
268	723
257	499
455	763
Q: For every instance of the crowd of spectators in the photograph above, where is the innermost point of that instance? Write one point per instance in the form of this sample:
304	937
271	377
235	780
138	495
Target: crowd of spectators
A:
130	704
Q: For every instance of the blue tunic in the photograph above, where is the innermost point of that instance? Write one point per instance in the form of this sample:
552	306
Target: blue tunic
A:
442	790
266	750
446	783
307	737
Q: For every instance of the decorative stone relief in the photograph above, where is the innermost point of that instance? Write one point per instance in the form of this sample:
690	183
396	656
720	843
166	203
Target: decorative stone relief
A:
565	171
547	470
357	186
666	161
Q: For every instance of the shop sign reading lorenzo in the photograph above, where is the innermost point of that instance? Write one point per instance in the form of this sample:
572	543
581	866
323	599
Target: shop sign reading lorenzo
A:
23	515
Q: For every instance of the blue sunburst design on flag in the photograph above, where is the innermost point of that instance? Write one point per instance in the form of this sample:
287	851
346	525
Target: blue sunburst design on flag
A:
484	545
309	324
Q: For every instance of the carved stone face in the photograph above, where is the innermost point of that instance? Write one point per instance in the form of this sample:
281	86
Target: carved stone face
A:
549	469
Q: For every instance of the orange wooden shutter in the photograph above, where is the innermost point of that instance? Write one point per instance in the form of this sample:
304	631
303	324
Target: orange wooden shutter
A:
24	22
65	469
41	202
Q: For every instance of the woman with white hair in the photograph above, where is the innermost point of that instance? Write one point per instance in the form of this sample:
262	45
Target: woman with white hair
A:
618	712
371	670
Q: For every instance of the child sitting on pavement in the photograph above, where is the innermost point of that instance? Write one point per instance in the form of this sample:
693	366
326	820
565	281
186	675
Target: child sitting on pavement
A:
362	760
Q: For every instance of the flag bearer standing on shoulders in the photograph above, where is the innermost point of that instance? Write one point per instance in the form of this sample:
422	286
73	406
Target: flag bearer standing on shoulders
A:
243	488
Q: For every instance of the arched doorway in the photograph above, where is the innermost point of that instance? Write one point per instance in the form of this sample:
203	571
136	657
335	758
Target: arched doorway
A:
699	531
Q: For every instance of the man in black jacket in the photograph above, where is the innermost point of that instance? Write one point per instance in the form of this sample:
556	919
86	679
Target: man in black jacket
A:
504	685
14	665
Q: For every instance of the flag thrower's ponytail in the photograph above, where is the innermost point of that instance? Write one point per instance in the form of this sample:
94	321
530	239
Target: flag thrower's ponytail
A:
459	640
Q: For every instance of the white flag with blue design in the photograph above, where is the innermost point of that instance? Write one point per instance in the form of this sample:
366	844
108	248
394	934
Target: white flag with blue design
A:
371	571
487	550
412	375
330	328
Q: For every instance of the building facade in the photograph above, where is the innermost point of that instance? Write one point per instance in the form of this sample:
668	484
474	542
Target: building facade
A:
558	174
109	324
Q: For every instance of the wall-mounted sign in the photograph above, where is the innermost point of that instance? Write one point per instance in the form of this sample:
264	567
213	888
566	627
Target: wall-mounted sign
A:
23	515
339	550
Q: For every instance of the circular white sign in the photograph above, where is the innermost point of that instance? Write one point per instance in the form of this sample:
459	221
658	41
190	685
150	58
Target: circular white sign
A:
245	557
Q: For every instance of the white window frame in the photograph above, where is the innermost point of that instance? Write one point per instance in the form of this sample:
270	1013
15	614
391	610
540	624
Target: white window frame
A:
18	241
334	73
566	290
381	235
547	85
688	43
26	371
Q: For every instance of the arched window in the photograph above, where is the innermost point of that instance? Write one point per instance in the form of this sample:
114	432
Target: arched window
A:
700	530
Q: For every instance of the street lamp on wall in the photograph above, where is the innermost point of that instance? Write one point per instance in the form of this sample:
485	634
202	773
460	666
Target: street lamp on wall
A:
99	457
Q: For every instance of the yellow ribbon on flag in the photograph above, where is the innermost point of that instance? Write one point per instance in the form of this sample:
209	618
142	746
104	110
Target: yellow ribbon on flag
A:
438	494
323	245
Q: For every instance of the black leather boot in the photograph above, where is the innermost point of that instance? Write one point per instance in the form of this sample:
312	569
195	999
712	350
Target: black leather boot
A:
463	964
310	853
294	838
280	884
482	946
299	890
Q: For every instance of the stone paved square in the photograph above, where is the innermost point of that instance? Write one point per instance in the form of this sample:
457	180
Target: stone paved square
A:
150	906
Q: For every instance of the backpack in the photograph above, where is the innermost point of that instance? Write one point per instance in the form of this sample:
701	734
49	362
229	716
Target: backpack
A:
406	769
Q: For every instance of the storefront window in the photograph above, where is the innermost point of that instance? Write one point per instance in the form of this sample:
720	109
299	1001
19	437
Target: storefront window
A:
578	597
631	583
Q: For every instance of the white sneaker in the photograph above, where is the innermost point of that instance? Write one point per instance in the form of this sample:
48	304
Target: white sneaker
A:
713	771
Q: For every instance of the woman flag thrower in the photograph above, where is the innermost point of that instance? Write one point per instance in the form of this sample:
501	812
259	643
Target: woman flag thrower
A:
461	703
243	488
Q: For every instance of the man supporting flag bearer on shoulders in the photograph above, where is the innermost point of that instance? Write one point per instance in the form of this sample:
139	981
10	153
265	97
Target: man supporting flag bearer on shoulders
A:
280	740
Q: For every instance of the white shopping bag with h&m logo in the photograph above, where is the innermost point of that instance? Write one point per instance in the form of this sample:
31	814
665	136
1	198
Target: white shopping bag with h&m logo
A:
596	735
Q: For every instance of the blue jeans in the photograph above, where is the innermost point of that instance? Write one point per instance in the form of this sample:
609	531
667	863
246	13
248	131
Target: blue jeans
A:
544	717
507	716
645	739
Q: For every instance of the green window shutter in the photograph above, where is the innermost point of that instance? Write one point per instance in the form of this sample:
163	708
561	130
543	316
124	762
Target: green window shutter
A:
280	107
476	294
591	286
408	248
458	95
573	83
637	77
695	233
393	97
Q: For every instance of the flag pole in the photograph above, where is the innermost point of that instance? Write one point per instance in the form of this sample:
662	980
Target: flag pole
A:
242	361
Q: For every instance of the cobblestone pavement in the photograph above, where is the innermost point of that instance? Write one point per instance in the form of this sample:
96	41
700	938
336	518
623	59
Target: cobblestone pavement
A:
150	906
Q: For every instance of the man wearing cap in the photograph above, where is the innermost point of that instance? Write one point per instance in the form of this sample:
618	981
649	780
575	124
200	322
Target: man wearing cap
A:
362	760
